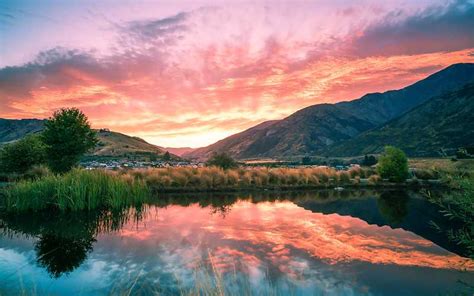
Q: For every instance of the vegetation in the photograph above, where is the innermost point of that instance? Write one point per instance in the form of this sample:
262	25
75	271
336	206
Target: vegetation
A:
82	189
76	190
67	136
222	160
393	165
369	160
19	157
459	206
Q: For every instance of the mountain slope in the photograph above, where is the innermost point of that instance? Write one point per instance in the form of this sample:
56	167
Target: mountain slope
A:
312	129
444	122
117	144
110	143
178	150
12	130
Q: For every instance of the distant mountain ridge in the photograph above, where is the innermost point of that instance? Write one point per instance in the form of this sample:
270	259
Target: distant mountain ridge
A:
441	124
111	144
14	129
310	131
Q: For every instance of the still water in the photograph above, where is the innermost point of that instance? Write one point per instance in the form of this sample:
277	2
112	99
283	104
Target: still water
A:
314	243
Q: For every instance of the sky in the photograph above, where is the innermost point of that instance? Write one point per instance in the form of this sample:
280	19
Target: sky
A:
189	73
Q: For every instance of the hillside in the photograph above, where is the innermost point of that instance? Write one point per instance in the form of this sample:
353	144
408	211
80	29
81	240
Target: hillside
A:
12	130
312	129
117	144
444	122
111	144
178	150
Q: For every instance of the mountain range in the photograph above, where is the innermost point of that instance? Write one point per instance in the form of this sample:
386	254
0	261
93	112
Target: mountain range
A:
428	118
318	129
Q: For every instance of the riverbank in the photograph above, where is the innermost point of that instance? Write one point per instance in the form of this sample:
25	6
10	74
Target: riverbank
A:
88	189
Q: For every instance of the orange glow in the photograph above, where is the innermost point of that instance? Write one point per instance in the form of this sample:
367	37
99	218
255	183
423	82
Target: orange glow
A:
274	232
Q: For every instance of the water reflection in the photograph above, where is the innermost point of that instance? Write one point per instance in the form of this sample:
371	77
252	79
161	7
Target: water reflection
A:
393	205
296	243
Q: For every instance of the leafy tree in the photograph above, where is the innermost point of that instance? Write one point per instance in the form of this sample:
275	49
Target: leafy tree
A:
67	136
166	156
393	164
22	155
222	160
369	160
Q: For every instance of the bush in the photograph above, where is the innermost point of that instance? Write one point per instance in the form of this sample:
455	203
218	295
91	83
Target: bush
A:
222	160
393	165
374	179
22	155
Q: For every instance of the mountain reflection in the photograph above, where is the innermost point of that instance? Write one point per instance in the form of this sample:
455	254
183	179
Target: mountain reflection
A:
257	236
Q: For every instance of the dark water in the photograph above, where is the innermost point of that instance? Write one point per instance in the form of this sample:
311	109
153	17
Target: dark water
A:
318	243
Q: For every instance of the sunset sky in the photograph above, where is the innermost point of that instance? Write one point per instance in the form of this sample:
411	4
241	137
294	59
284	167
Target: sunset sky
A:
188	73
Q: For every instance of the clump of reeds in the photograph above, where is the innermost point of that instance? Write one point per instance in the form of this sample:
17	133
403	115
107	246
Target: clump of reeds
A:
76	190
217	178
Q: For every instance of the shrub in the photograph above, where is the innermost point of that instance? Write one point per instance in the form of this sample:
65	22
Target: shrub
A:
21	156
344	177
374	179
222	160
393	165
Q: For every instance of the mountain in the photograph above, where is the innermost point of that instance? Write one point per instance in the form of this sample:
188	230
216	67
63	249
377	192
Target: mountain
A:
313	129
111	144
12	129
117	144
444	122
178	150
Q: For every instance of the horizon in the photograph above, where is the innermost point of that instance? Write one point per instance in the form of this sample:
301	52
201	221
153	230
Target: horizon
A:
189	74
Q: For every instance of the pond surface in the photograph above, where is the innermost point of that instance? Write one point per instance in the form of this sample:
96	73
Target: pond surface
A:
314	243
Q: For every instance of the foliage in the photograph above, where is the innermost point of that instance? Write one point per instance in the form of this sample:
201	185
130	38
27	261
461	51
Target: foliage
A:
393	165
22	155
166	156
369	160
222	160
76	190
67	136
459	206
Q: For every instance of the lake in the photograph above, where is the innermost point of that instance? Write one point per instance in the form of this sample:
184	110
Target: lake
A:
307	243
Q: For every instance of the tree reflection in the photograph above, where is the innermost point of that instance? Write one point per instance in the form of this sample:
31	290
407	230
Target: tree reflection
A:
393	205
61	255
66	238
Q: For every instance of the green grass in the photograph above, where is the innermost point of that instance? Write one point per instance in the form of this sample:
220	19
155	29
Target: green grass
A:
76	190
458	205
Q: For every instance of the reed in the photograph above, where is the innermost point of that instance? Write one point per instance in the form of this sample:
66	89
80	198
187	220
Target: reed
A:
82	189
76	190
217	178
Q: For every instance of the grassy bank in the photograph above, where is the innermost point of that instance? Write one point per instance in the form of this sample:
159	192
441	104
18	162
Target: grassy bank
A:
82	189
76	190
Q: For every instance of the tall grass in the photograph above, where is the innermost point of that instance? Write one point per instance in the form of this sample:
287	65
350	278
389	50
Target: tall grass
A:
82	189
76	190
216	178
458	205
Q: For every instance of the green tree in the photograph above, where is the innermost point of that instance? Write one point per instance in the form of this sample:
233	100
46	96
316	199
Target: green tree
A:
166	156
222	160
393	164
22	155
67	136
369	160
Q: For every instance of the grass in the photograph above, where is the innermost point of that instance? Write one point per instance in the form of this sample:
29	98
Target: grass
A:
459	206
76	190
82	189
211	178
